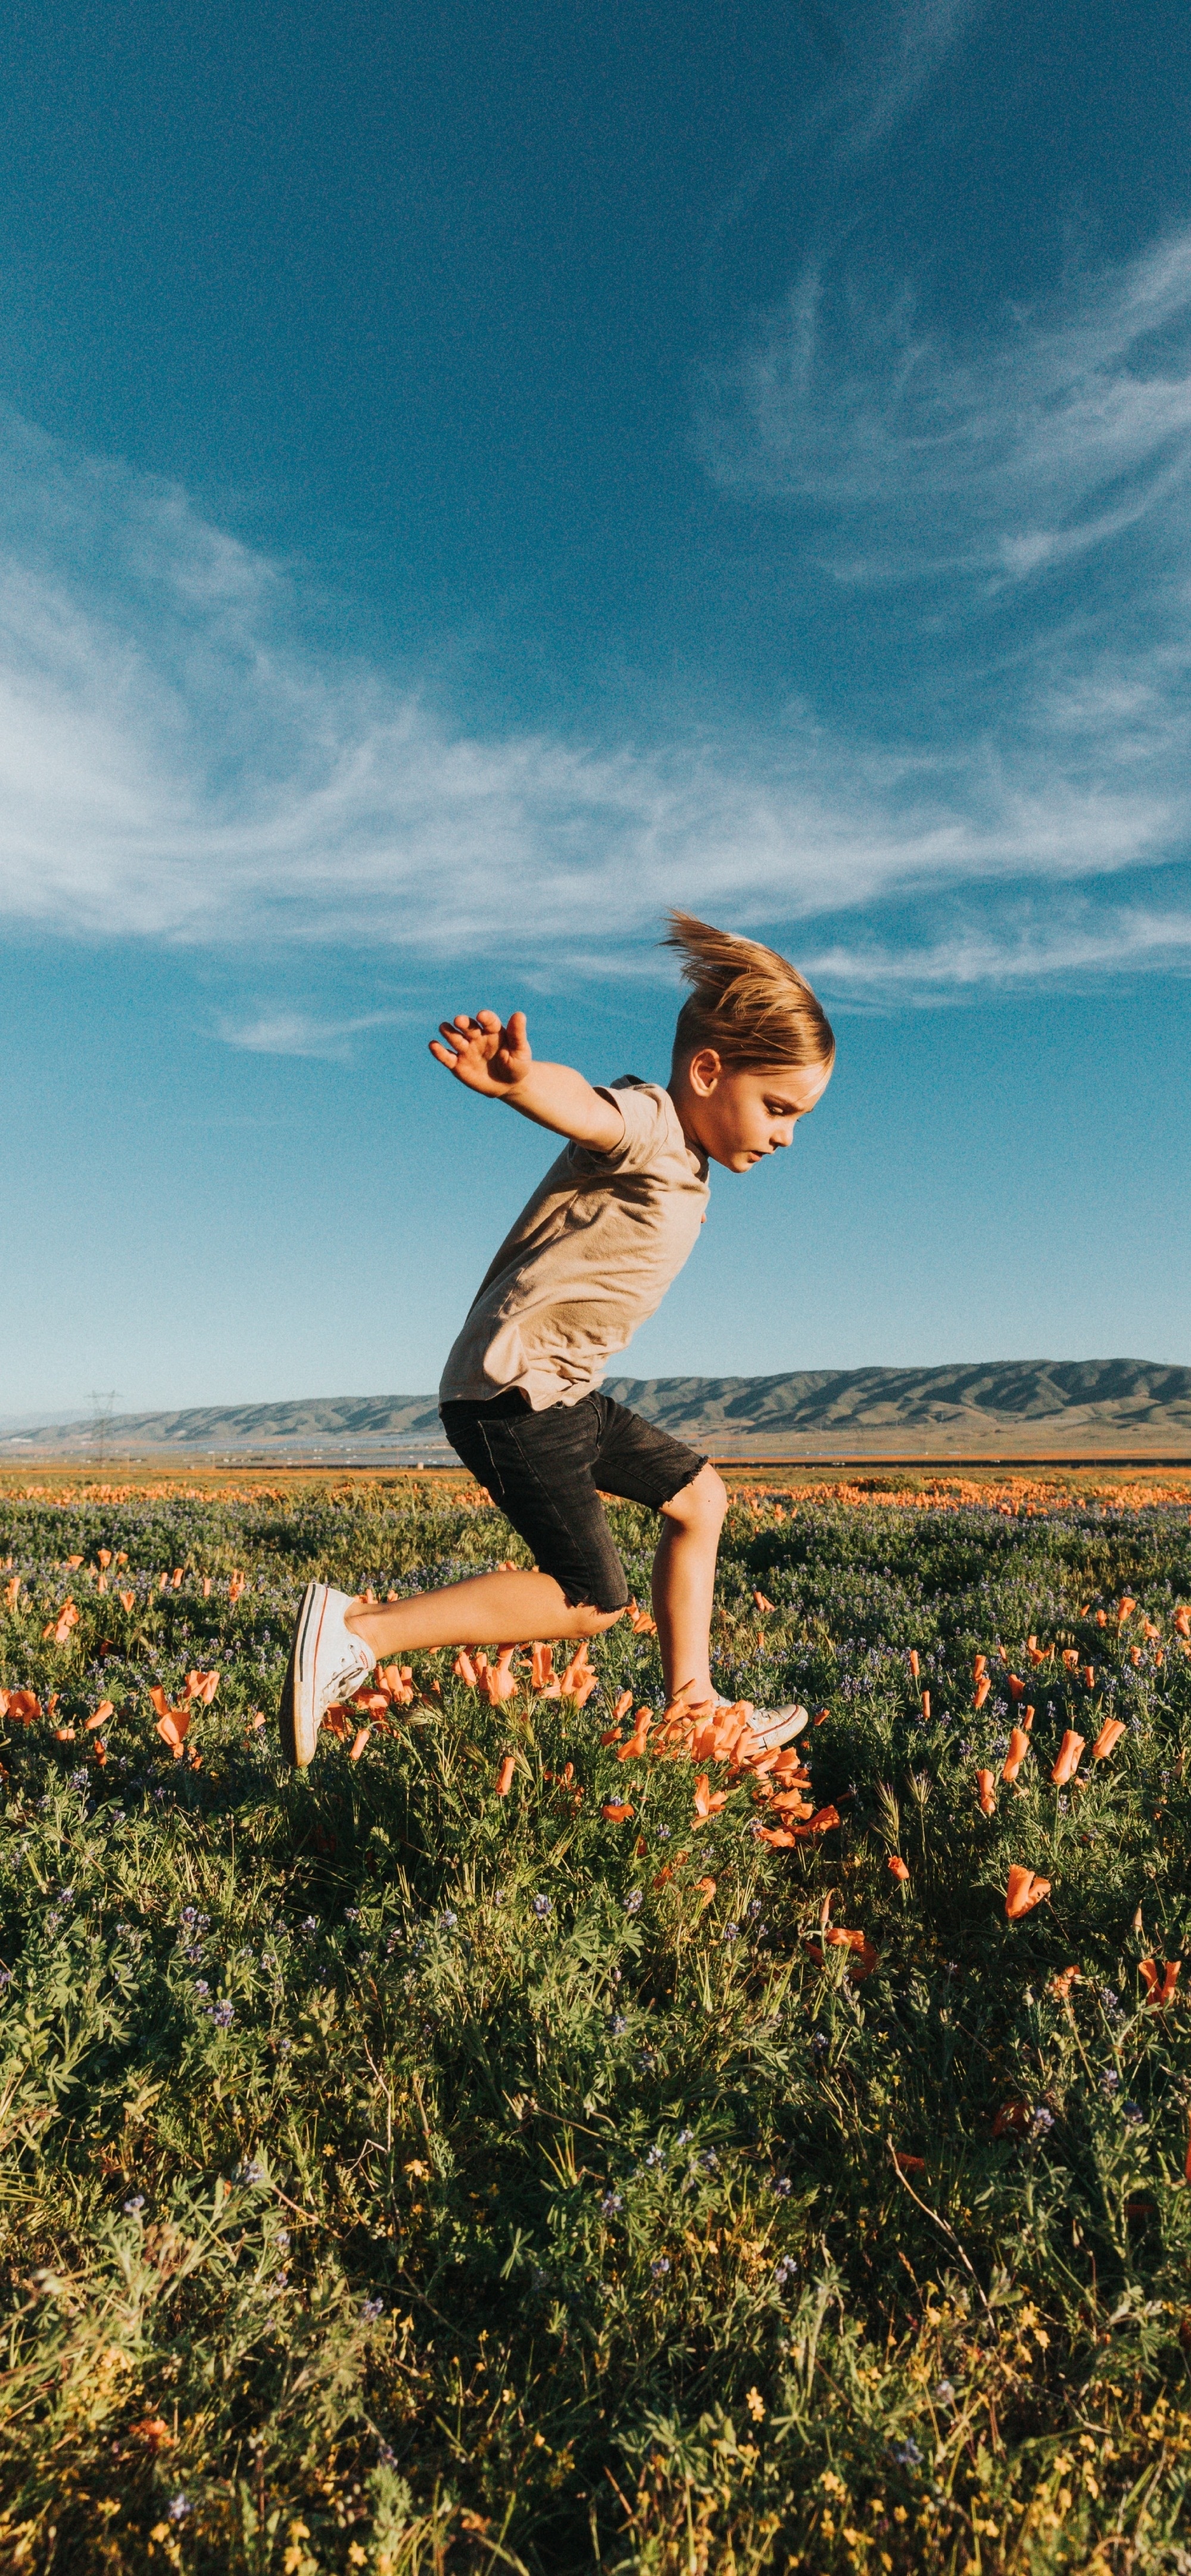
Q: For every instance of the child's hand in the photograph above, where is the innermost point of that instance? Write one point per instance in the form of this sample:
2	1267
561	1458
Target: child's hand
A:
482	1054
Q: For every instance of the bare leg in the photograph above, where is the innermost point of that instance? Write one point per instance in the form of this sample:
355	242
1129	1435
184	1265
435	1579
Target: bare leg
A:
486	1610
684	1582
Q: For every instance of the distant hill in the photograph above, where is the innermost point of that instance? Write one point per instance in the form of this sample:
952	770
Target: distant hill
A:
994	1408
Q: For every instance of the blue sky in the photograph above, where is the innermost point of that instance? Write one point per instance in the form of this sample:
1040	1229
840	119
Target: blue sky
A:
471	479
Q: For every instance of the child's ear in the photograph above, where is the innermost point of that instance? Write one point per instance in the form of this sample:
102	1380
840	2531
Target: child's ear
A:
703	1072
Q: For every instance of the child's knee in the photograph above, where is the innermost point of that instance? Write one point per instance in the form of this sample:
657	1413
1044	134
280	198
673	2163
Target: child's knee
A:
701	1504
595	1621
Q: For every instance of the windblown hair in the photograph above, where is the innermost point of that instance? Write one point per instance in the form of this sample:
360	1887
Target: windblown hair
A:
748	1003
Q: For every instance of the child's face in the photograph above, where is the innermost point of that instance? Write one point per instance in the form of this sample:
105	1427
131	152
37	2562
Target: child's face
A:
739	1116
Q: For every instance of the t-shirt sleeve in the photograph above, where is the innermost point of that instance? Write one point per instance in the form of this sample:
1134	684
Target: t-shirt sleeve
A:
650	1120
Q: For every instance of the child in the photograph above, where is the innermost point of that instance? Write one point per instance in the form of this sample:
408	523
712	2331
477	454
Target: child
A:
588	1259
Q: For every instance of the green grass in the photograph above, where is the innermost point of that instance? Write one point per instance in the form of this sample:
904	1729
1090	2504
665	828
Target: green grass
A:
396	2177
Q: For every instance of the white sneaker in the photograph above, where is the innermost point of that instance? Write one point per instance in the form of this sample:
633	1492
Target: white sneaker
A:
770	1727
326	1664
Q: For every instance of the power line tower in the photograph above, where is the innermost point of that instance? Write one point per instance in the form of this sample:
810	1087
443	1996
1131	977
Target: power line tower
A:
101	1422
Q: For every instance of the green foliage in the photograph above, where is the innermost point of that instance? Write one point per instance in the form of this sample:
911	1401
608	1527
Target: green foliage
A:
404	2178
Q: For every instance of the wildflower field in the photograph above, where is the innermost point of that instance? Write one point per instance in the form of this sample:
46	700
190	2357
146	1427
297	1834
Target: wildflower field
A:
530	2140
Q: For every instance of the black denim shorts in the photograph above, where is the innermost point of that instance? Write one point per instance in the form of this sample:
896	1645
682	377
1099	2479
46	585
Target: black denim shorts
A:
545	1471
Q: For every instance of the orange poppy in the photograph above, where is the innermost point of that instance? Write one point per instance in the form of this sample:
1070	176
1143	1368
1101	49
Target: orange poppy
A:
504	1777
127	1601
708	1801
617	1811
153	2430
624	1702
172	1724
578	1682
104	1554
1182	1621
1125	1608
1070	1657
59	1629
99	1716
762	1604
823	1821
1017	1689
915	1665
640	1622
910	2164
1024	1892
1068	1758
706	1889
21	1704
1019	1745
980	1694
986	1790
897	1867
790	1802
464	1670
926	1704
359	1740
1160	1982
633	1750
1061	1983
776	1836
979	1668
542	1678
202	1686
864	1957
12	1592
498	1682
1109	1736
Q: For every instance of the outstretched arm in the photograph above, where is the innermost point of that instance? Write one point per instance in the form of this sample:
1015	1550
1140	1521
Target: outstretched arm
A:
496	1060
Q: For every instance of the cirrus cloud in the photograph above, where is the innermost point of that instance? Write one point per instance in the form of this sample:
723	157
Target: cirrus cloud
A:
178	765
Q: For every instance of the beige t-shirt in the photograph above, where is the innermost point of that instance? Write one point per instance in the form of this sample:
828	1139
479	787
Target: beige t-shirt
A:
589	1258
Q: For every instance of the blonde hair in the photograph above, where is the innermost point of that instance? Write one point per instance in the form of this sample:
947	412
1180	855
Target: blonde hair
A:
748	1003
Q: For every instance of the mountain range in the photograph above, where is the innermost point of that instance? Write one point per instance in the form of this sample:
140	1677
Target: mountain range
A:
998	1408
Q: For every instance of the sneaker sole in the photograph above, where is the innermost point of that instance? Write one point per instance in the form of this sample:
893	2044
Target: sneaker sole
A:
295	1716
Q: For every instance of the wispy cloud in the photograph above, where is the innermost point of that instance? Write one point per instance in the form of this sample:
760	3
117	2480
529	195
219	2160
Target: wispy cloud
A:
903	50
278	1031
1016	953
1039	442
176	766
